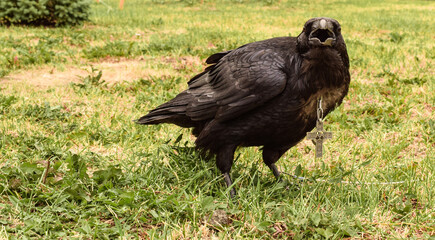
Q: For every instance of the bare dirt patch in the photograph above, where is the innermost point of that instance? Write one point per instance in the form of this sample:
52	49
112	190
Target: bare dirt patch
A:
114	70
45	76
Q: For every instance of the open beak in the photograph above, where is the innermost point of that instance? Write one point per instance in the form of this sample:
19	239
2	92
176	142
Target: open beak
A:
322	33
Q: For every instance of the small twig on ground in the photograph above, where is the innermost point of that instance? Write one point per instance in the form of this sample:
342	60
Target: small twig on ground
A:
44	178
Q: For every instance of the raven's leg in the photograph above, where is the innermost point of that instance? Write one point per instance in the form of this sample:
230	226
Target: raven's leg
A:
274	169
224	161
229	182
270	156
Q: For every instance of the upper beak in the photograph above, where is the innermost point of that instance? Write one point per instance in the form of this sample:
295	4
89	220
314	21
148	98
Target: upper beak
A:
322	32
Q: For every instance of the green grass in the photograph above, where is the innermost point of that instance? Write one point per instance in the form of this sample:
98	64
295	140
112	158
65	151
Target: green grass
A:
109	178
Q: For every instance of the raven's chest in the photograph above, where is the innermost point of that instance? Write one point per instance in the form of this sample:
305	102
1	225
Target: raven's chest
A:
331	98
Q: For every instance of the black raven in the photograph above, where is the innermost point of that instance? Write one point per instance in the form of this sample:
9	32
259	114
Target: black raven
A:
263	93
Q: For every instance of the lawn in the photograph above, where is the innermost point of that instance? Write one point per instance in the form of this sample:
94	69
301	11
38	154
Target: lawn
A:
68	97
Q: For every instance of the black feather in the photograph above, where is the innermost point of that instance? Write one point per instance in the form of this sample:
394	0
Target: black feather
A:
262	94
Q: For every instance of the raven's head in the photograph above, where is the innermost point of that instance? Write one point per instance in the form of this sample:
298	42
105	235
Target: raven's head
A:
320	32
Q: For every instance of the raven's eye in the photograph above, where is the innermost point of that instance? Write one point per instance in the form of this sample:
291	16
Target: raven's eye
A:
339	29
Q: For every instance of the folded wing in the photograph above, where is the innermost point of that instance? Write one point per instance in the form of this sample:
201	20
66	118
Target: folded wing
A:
239	81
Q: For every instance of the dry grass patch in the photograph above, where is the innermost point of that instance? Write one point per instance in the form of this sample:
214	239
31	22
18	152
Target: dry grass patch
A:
114	71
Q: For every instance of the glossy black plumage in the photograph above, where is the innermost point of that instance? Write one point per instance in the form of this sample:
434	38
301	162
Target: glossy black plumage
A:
262	94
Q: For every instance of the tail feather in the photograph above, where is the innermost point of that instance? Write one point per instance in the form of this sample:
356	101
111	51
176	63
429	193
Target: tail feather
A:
173	111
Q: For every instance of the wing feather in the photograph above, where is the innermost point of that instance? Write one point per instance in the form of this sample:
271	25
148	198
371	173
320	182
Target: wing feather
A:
240	80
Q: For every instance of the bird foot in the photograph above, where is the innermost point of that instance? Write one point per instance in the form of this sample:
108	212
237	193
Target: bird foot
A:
229	182
275	171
